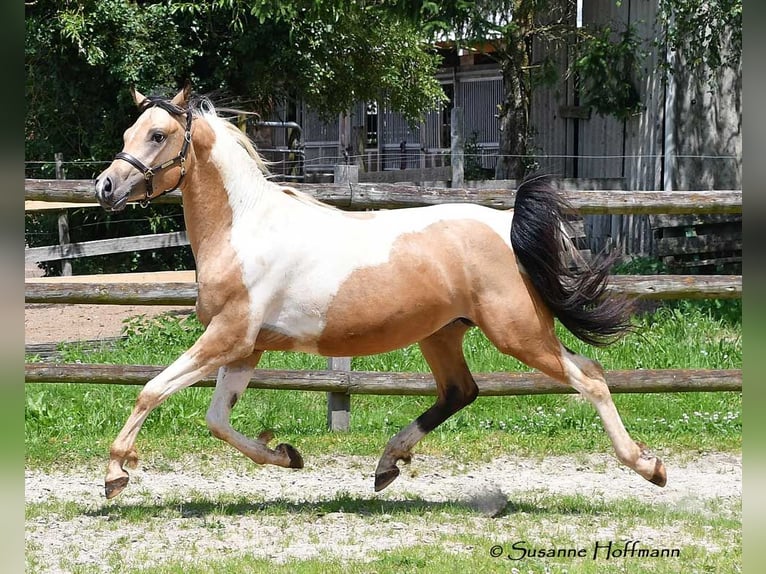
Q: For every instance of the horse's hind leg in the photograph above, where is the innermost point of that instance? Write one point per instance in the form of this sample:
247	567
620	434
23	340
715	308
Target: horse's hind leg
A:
587	376
531	339
455	389
231	382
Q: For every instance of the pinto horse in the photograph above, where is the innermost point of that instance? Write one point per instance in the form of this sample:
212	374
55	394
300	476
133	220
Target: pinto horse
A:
278	270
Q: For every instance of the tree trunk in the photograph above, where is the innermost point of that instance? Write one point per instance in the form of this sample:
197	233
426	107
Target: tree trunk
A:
514	112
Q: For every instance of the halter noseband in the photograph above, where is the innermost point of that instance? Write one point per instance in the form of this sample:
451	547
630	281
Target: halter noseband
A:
180	159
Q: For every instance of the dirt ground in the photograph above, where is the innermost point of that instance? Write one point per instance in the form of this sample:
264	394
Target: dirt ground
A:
45	323
209	509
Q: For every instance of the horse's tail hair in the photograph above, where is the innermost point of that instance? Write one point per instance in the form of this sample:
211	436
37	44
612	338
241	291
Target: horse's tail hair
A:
576	296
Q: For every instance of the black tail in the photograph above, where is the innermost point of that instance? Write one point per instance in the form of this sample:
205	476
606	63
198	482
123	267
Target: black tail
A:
577	297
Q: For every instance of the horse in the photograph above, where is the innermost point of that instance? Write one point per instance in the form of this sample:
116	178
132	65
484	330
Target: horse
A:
279	270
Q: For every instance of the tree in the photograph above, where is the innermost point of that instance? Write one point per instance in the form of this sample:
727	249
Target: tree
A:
510	28
707	32
82	55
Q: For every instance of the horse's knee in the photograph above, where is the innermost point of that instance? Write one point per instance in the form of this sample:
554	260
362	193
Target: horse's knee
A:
147	399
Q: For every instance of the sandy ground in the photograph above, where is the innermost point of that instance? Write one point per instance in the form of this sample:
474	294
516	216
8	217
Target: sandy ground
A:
57	323
206	510
45	323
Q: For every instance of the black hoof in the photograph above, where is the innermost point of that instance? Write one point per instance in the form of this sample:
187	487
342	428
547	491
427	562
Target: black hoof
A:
115	487
383	479
296	460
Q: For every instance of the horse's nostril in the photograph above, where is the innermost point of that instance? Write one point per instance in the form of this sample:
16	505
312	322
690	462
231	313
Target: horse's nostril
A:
107	187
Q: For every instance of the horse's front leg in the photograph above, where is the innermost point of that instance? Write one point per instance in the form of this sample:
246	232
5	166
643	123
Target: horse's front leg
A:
230	385
217	346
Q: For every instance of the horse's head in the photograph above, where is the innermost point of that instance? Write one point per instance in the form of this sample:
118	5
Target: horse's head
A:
153	159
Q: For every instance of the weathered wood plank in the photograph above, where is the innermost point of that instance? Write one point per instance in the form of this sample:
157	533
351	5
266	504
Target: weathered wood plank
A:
52	205
111	293
699	244
373	383
339	404
74	191
105	246
184	276
185	293
696	263
661	221
678	286
361	196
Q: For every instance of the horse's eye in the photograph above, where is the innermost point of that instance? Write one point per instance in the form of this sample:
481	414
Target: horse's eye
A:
158	137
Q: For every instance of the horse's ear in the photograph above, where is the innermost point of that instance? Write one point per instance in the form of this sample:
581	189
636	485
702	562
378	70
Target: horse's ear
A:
138	97
182	97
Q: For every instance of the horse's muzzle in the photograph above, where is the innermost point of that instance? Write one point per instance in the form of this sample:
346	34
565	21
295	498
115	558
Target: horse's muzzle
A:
106	196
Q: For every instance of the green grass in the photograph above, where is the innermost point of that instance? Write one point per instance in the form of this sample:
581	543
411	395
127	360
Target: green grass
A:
76	423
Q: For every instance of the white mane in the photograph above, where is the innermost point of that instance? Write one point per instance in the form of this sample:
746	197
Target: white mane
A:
207	111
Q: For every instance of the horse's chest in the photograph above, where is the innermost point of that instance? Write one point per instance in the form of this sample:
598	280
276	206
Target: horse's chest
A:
292	298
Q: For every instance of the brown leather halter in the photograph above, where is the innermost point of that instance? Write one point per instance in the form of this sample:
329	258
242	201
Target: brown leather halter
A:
180	159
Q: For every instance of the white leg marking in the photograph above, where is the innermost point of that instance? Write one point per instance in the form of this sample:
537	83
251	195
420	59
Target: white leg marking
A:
182	373
230	384
586	376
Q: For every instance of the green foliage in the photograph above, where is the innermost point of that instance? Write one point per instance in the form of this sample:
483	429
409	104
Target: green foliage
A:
641	266
473	170
88	224
80	58
330	54
607	71
708	33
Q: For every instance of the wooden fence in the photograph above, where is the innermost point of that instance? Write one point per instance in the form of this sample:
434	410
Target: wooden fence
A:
339	381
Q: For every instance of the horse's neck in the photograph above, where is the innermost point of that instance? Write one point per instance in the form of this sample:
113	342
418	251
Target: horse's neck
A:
221	191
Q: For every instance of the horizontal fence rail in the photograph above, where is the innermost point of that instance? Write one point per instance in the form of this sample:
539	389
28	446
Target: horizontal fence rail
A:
390	383
105	246
340	382
360	196
179	293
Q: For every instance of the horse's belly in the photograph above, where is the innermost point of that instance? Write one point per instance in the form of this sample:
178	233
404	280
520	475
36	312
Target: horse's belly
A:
370	338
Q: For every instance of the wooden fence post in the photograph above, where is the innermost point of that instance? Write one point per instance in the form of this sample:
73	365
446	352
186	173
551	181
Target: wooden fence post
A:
457	155
63	219
339	404
346	174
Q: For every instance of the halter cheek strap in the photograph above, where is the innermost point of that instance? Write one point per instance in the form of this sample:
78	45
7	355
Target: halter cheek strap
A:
180	159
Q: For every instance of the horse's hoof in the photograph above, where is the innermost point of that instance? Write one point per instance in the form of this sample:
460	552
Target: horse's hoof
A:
114	487
383	479
659	477
296	460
